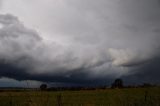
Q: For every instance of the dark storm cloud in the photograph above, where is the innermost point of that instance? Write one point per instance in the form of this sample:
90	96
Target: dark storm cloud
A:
147	73
25	55
103	40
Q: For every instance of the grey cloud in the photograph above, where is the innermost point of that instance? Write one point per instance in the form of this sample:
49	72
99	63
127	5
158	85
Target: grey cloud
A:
146	73
106	39
31	55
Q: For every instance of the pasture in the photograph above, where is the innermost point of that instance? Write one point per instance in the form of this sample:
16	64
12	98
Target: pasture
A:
107	97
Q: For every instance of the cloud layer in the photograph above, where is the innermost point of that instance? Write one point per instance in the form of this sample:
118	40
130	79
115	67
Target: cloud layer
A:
79	41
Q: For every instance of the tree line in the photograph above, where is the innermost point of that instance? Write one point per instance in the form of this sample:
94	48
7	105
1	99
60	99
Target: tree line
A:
118	83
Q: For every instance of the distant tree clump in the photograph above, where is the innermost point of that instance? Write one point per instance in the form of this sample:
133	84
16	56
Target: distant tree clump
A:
43	86
118	83
147	85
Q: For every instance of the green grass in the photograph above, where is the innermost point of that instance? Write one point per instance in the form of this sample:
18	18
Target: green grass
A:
108	97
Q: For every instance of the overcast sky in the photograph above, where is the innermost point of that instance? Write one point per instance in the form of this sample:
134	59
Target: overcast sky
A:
79	41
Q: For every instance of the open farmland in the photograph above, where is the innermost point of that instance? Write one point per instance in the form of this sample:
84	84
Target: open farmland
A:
107	97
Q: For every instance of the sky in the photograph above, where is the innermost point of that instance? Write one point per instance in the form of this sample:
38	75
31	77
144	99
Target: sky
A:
79	42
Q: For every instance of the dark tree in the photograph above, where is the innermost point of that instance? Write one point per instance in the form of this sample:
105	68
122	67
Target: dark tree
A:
43	86
118	83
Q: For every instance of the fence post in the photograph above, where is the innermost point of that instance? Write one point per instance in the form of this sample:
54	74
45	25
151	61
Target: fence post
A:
59	100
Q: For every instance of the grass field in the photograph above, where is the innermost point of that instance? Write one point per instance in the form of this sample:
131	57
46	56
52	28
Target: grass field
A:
108	97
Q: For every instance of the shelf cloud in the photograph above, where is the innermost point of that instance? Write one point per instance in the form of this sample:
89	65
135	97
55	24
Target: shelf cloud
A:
80	41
